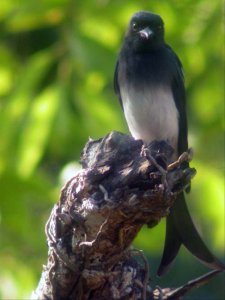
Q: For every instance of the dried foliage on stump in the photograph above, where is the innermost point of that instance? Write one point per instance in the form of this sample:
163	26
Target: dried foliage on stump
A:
122	186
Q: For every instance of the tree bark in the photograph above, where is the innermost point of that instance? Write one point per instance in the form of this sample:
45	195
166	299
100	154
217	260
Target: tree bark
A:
122	186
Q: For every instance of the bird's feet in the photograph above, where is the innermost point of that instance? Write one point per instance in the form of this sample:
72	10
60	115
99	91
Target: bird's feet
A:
146	153
184	157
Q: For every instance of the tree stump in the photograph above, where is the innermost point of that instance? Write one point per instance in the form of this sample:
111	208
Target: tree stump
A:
123	185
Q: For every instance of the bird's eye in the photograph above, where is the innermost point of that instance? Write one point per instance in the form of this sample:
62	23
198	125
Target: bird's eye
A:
160	27
134	26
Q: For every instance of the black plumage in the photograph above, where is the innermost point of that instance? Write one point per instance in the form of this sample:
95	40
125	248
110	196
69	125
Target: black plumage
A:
150	85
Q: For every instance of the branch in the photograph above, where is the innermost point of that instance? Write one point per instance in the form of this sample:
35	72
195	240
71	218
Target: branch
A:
179	293
122	186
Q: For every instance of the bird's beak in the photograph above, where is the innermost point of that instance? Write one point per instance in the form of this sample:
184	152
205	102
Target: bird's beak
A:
146	33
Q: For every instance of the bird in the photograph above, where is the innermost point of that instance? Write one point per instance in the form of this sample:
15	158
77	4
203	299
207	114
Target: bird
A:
149	82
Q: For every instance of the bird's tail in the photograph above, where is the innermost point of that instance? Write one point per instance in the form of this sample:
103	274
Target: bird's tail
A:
181	230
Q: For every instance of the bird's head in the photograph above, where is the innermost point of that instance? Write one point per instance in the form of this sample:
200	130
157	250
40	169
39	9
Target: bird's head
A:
145	32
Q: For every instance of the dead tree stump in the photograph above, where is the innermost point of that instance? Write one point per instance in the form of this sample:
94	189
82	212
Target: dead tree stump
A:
122	186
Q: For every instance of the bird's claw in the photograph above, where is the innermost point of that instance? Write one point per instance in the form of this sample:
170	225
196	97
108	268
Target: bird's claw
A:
184	157
146	153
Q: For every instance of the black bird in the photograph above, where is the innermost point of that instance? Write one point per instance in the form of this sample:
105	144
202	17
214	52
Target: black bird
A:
150	85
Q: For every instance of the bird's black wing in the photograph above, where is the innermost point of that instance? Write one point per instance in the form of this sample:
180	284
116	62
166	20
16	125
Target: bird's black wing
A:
180	228
179	97
116	83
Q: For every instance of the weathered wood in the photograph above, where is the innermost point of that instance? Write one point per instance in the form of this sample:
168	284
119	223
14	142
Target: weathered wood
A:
122	186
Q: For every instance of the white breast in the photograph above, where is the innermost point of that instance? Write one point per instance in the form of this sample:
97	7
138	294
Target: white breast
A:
151	114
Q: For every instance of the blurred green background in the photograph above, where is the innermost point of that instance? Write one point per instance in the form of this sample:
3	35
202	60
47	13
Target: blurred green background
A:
57	61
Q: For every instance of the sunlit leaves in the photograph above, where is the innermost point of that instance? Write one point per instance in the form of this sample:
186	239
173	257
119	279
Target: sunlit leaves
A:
56	86
207	204
34	138
18	105
104	32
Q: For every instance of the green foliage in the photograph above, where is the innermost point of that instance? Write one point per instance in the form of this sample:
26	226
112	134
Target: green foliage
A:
56	86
